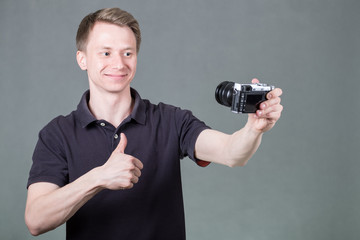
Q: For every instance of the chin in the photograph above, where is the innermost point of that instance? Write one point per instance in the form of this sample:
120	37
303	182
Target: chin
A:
118	89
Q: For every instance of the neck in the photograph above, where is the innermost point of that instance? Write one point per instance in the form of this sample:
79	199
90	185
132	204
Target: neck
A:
111	107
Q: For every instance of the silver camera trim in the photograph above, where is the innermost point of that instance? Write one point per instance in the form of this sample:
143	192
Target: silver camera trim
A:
255	87
238	104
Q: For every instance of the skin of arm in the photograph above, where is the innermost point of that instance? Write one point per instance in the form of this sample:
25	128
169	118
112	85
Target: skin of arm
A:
236	149
49	206
230	150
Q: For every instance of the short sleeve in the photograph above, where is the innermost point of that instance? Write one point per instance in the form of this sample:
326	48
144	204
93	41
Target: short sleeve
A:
49	161
189	128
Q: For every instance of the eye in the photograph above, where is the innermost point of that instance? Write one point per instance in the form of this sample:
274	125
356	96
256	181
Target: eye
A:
106	54
127	54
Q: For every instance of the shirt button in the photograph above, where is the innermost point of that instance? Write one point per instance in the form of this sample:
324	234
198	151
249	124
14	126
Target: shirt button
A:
116	136
102	124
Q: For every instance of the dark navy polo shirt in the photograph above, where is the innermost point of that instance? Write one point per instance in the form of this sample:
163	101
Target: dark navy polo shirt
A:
158	135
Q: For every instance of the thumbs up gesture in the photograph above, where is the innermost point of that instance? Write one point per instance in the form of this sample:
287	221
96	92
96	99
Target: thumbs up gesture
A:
121	171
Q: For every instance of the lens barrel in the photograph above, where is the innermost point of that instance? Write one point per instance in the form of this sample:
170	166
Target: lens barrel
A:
224	93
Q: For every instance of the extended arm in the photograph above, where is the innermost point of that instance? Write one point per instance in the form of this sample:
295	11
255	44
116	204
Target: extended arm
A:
236	149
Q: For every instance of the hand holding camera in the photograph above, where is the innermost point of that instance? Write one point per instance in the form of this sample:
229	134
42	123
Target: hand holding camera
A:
242	98
261	99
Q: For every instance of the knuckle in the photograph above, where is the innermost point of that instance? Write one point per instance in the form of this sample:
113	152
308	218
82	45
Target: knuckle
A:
129	175
130	160
128	183
129	186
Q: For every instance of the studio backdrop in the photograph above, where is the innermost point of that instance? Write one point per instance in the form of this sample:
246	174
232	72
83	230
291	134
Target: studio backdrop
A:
302	183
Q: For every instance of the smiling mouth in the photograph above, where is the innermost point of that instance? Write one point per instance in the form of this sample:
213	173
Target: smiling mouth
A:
116	76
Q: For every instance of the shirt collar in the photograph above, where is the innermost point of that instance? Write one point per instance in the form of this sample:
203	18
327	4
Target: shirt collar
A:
84	115
139	111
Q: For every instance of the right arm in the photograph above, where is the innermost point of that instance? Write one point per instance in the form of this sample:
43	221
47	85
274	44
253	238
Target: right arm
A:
49	206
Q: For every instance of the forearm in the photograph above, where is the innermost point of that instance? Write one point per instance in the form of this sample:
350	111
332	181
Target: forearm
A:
241	146
230	150
53	208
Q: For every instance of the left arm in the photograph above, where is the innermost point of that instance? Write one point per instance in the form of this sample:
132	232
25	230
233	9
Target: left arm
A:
236	149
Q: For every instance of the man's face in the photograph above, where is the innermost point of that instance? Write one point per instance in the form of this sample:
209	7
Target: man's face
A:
110	58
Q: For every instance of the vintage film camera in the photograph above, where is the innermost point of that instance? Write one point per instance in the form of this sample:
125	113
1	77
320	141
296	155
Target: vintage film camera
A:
242	98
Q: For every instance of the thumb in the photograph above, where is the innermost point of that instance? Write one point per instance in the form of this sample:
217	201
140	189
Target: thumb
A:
122	144
255	80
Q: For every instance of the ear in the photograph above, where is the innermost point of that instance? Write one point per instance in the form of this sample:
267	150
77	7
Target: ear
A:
81	60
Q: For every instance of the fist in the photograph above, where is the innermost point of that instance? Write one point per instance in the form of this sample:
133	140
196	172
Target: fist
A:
121	171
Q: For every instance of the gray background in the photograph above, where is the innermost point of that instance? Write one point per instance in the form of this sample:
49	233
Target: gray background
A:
303	182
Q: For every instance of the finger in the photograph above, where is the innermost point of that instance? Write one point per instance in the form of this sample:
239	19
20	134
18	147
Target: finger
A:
273	116
270	102
138	163
127	186
269	111
277	92
133	163
134	180
137	172
255	80
122	144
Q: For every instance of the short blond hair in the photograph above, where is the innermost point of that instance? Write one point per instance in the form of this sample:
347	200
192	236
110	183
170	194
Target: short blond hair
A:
109	15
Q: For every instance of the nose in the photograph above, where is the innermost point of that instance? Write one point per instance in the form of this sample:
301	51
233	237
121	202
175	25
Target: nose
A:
118	62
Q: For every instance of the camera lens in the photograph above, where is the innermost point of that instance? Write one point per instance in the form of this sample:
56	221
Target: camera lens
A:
224	93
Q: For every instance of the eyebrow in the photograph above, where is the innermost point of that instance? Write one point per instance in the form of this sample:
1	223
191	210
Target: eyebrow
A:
110	48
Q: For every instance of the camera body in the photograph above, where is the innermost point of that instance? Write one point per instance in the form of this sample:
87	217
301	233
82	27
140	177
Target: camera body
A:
242	98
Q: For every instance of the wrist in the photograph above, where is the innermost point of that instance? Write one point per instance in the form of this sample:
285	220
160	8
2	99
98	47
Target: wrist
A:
252	131
91	181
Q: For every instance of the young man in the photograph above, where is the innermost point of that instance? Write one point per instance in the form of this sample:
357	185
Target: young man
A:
111	168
